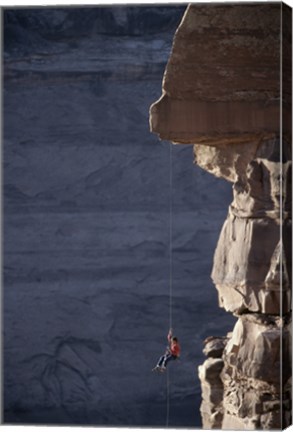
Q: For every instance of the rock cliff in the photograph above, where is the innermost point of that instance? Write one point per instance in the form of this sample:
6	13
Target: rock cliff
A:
221	94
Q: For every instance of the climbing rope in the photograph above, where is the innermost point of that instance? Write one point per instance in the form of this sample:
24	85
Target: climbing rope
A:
170	271
170	237
168	399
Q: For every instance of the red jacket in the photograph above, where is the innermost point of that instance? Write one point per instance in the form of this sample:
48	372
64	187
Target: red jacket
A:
174	346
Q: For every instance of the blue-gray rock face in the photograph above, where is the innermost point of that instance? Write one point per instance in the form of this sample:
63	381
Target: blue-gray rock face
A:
86	224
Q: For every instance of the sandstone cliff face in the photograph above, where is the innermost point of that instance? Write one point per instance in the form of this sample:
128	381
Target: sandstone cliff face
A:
222	79
221	93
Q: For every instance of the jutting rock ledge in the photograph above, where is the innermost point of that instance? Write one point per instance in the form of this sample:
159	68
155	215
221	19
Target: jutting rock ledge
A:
221	94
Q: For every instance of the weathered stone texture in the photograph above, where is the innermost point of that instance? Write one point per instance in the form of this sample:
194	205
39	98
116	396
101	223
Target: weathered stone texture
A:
212	392
251	372
221	93
214	346
246	267
256	171
254	350
222	78
224	159
250	260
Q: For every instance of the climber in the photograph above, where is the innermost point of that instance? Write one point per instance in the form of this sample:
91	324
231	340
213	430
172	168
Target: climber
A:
172	353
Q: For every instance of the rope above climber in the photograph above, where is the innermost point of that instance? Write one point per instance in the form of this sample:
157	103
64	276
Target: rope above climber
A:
172	352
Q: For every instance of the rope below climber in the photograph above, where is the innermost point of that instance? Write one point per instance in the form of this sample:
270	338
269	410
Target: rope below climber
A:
172	352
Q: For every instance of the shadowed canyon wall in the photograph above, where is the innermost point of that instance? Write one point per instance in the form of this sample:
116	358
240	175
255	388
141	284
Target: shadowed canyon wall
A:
221	94
86	223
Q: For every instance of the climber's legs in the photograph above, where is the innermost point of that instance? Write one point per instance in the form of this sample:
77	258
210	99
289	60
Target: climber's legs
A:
164	360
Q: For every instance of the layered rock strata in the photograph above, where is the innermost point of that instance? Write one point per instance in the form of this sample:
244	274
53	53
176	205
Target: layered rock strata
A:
221	93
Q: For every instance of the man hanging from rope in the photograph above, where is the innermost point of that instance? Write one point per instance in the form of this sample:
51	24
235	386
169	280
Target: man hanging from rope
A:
172	352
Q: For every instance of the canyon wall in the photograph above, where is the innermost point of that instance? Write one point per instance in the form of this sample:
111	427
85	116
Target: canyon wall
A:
221	94
85	226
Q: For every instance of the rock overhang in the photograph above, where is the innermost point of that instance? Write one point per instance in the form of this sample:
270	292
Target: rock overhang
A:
222	80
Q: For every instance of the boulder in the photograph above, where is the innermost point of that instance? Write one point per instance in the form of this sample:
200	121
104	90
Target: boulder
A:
214	346
254	350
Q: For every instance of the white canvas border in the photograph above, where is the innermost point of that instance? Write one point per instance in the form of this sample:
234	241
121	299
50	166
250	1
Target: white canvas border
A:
19	3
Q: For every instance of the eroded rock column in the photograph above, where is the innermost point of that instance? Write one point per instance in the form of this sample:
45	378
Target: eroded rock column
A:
252	273
221	94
